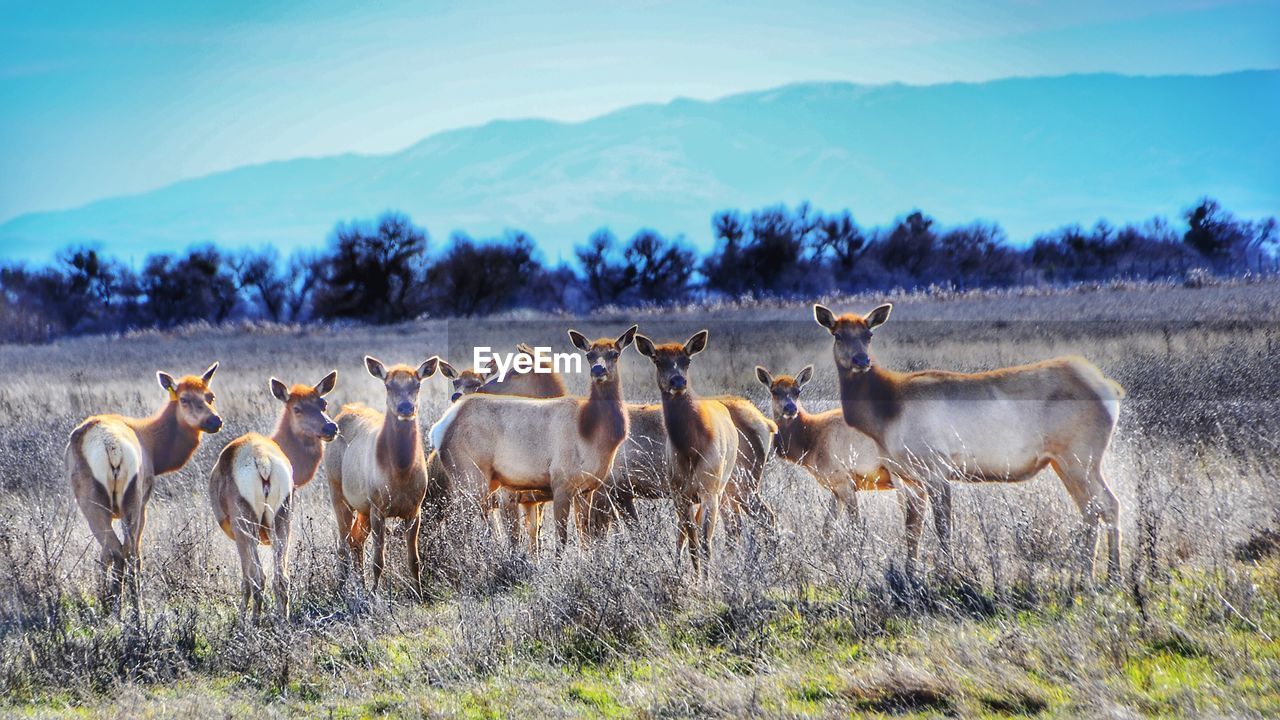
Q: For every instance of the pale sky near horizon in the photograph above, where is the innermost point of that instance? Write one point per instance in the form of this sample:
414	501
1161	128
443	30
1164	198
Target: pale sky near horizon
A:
104	99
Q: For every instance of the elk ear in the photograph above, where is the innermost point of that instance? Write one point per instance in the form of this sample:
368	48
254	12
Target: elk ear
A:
805	376
627	337
764	377
644	346
879	316
375	367
697	343
825	317
208	374
427	368
447	370
280	390
326	385
526	349
579	340
168	383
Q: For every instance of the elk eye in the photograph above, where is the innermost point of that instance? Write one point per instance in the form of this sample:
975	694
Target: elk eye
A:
323	404
591	356
683	362
612	354
297	410
870	334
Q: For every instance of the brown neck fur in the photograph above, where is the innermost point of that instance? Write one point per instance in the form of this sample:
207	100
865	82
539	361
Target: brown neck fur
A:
870	400
796	437
304	453
168	443
686	426
399	443
602	416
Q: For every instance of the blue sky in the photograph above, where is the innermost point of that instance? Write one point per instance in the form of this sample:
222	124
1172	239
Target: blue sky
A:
99	99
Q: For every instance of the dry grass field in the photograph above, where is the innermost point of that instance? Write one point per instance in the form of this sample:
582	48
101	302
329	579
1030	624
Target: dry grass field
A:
808	620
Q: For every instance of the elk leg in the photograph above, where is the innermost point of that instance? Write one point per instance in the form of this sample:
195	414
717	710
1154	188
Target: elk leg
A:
281	527
98	514
709	509
913	501
940	498
1096	502
246	534
533	525
378	529
627	506
848	496
346	518
561	504
132	523
685	535
415	561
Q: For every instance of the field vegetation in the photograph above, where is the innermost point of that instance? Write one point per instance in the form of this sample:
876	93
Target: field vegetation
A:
812	618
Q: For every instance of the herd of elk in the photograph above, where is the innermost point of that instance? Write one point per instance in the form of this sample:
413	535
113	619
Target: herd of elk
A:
523	441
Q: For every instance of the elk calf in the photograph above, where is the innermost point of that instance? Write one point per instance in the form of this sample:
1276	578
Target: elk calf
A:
377	471
112	462
251	487
840	458
998	426
563	447
702	445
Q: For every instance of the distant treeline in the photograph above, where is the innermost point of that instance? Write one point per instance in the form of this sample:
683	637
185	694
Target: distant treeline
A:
387	270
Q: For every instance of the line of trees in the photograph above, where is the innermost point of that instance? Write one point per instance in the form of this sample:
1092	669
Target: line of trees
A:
387	271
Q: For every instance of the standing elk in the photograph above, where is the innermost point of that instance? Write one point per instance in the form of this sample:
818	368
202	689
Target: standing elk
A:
112	462
997	426
839	457
640	468
702	445
563	447
251	487
377	470
543	382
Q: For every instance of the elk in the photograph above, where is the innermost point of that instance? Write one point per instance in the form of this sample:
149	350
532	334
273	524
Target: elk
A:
542	384
377	471
702	445
839	457
251	486
640	467
561	447
998	426
112	462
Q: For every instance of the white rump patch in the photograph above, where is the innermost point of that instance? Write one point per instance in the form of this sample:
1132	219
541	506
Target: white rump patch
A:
263	477
114	459
436	435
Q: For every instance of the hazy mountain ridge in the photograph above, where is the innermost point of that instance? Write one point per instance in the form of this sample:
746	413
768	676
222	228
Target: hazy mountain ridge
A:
1030	154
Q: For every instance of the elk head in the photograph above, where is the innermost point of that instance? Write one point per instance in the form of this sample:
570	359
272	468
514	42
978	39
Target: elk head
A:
194	399
784	391
603	354
306	409
402	383
671	360
852	333
464	382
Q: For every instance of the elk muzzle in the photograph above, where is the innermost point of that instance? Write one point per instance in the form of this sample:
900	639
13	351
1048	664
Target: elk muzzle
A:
861	361
211	424
330	430
405	410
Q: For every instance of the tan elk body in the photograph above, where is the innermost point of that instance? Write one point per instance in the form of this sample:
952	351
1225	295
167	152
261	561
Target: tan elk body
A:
112	462
251	486
377	471
702	445
563	446
999	426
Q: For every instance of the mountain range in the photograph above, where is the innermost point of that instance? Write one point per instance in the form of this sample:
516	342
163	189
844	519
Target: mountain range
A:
1029	153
